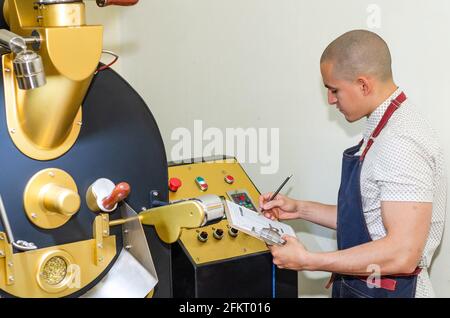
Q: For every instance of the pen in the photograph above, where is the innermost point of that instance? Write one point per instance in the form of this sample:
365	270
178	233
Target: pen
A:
278	190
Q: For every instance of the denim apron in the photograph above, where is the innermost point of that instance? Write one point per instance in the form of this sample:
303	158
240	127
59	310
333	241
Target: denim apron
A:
352	228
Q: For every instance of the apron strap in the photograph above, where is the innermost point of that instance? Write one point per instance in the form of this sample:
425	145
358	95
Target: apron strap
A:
395	104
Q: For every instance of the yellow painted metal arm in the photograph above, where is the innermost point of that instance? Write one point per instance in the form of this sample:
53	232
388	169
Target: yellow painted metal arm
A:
170	219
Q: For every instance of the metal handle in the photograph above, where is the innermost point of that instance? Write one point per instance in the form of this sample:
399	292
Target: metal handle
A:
105	3
100	3
20	245
11	41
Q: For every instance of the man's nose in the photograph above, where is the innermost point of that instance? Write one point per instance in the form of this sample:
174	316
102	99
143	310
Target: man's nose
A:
331	98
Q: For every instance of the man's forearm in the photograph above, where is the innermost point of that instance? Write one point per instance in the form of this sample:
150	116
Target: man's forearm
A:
384	255
318	213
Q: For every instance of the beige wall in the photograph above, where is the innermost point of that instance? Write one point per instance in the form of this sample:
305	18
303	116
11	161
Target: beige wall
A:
255	63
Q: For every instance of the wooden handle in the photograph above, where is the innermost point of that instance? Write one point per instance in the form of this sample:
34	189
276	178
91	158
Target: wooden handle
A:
105	3
120	192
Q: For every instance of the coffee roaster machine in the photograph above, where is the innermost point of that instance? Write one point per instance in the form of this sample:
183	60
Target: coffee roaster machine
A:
89	205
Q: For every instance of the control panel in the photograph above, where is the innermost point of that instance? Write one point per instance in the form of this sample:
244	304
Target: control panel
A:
215	259
227	179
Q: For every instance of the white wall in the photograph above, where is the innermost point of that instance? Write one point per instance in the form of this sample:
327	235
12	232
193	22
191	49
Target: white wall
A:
255	63
109	17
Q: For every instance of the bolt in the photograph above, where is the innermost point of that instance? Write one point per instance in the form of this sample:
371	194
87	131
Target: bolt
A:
79	123
155	193
100	259
33	215
128	247
10	264
2	253
7	70
11	278
100	245
105	232
125	231
13	130
51	174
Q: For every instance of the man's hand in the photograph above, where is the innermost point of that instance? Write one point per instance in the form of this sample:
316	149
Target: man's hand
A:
281	208
292	255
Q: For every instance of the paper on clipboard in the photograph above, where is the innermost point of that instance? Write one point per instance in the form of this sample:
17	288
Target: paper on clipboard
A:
255	224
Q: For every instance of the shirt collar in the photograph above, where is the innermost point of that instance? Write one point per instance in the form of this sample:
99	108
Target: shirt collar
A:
375	118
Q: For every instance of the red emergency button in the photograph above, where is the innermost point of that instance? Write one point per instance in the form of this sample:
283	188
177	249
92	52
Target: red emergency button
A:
229	179
174	184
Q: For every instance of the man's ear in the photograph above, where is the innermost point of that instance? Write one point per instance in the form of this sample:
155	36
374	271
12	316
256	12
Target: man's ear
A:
365	85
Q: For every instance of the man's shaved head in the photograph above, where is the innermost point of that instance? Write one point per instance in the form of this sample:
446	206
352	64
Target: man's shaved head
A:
358	53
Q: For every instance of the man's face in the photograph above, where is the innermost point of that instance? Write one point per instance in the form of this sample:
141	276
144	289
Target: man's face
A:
347	96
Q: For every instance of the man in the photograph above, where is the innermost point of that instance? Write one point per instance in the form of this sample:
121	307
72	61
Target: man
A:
391	205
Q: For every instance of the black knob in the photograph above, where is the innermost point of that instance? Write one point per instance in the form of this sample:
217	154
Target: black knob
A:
218	234
202	236
233	232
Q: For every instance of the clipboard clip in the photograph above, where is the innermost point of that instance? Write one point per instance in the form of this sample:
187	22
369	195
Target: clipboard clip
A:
271	236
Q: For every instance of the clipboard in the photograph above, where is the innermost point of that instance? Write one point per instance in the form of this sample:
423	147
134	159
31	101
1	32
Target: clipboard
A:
256	224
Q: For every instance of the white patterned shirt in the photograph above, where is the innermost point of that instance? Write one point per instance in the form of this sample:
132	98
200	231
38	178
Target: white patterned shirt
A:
405	163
